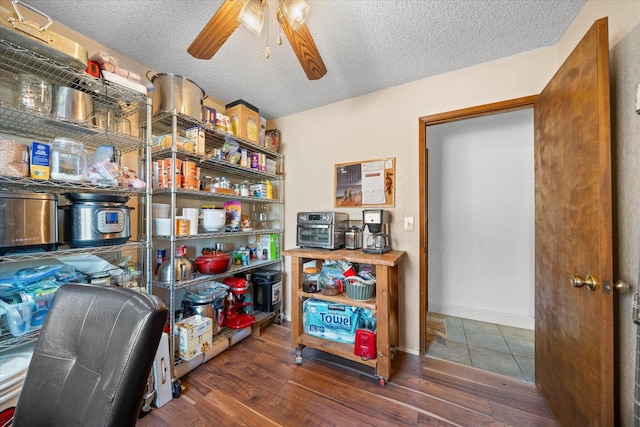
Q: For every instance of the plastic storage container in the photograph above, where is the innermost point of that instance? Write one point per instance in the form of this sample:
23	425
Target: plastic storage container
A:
268	290
25	317
329	285
68	160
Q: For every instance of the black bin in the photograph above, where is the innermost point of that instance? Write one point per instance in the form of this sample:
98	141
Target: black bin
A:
267	286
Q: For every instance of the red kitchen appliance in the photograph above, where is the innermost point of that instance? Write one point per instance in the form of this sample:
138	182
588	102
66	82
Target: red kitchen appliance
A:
365	343
236	304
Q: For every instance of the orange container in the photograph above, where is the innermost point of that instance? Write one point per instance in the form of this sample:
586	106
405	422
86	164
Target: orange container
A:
189	169
182	227
189	183
167	166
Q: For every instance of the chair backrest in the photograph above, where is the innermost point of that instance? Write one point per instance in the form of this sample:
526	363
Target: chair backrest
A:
92	359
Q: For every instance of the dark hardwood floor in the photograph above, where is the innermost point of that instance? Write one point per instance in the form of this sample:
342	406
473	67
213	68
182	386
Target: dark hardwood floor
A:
257	383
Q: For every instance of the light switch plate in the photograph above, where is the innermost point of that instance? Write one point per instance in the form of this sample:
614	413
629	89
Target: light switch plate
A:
408	223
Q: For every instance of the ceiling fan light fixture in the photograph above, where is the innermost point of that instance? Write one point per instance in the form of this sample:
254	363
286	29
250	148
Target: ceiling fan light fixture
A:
252	15
295	11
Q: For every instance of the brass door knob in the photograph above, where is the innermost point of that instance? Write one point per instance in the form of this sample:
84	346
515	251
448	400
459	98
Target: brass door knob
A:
621	286
590	281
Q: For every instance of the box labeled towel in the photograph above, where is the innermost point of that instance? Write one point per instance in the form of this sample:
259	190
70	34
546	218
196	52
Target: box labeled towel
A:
335	322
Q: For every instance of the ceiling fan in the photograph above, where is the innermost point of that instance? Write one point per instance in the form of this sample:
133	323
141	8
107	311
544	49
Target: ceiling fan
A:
291	15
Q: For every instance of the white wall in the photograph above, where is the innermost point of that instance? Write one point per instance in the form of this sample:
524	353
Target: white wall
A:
625	124
481	218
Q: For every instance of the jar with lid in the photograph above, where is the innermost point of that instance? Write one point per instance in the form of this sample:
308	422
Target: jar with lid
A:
244	188
206	183
330	285
68	160
224	182
34	93
310	277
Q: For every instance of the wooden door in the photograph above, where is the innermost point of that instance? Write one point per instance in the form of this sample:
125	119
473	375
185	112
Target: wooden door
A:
574	325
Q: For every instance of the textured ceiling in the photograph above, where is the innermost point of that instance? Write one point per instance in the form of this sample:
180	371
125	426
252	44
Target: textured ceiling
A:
366	45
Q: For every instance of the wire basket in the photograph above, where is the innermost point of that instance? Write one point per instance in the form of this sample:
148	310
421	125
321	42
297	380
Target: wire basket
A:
360	289
130	278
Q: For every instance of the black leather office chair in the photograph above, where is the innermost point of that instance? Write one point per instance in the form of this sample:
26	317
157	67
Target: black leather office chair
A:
92	359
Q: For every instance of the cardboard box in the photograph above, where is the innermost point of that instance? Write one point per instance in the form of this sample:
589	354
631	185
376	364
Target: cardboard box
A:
194	334
196	135
39	160
271	243
245	122
209	115
166	141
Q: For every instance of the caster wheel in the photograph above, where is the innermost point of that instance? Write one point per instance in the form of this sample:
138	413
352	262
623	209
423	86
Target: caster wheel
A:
279	319
383	382
143	413
393	352
176	389
298	356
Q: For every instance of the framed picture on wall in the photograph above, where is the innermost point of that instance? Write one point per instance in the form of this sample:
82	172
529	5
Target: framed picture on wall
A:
368	183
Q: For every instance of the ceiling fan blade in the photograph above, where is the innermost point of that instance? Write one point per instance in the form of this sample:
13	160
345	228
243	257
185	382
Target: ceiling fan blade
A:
304	48
219	28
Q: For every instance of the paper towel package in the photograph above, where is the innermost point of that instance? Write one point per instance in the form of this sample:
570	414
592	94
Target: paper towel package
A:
335	322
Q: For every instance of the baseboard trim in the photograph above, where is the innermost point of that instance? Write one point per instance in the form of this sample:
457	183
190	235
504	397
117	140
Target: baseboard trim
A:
484	315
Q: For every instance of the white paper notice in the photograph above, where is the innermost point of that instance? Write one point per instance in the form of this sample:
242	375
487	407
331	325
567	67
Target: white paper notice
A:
373	183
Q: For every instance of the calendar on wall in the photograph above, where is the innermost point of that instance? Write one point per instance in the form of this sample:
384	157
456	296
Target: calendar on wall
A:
366	183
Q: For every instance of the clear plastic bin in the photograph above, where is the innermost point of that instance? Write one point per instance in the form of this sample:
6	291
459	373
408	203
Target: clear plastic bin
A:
25	317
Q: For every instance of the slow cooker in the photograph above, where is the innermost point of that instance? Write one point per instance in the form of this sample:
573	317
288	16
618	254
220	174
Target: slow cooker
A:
96	220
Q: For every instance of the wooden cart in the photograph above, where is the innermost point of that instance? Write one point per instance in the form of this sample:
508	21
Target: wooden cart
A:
384	304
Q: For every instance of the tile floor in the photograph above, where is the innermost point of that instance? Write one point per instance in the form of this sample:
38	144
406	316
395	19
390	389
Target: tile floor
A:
497	348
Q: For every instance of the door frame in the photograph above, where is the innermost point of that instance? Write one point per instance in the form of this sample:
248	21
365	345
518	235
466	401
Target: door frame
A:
423	122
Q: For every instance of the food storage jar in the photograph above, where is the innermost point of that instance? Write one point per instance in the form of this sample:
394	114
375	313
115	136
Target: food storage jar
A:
330	285
68	160
34	93
207	183
224	182
244	189
310	279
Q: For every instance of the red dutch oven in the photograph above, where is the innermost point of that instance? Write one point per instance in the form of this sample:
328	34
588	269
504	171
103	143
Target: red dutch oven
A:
216	263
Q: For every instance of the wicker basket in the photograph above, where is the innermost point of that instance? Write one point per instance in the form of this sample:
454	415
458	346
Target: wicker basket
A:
359	289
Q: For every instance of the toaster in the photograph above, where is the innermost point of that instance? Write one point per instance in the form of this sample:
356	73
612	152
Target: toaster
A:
28	222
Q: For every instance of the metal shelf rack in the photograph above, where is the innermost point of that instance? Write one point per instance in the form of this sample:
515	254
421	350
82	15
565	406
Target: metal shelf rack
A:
15	120
17	59
171	123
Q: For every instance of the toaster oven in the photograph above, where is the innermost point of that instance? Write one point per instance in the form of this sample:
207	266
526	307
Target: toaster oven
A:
323	230
28	222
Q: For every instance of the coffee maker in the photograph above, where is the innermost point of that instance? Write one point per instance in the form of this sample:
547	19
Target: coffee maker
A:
376	226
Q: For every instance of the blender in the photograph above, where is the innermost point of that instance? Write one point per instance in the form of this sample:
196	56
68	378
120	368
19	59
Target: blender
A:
376	226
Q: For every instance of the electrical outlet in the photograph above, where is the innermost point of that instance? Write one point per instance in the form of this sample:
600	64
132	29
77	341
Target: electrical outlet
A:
408	223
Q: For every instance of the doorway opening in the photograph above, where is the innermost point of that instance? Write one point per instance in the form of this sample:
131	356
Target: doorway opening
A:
477	263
